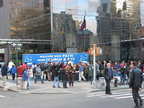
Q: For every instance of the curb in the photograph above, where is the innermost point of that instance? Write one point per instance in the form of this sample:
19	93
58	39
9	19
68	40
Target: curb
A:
49	93
11	90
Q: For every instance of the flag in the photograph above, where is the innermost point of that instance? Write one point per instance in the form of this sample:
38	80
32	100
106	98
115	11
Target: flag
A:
83	26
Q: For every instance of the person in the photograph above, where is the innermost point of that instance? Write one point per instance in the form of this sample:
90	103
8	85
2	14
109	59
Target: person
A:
30	75
64	77
81	69
4	74
135	84
56	77
90	73
10	64
34	69
97	70
25	65
49	71
69	62
43	69
38	74
86	71
123	74
71	71
25	79
108	75
13	71
140	65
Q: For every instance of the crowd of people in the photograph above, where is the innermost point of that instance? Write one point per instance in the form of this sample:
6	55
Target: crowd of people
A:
129	72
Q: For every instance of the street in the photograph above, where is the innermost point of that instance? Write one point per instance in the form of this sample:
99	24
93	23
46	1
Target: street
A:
119	99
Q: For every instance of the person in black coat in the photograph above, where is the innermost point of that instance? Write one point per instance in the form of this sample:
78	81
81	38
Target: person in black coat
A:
108	75
64	74
4	71
56	77
135	83
140	65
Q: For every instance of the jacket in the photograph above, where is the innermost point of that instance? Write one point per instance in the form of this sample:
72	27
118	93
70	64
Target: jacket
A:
25	75
13	70
55	73
136	78
38	71
49	67
4	70
106	73
64	74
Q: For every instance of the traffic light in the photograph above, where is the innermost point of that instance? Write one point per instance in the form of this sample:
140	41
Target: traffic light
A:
98	51
90	51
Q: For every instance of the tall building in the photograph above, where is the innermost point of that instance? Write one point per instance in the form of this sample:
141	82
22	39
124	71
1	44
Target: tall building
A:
48	26
119	29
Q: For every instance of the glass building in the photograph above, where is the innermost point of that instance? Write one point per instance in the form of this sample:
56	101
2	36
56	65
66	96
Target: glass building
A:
117	26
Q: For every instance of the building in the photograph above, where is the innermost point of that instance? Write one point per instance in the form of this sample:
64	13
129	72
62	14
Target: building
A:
119	29
48	26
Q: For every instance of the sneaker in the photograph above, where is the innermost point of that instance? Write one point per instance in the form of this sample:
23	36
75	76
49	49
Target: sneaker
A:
42	82
53	86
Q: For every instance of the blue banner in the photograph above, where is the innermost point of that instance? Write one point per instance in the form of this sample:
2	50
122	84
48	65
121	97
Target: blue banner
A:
55	57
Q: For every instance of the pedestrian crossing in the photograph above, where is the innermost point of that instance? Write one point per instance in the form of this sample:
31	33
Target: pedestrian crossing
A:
124	94
1	96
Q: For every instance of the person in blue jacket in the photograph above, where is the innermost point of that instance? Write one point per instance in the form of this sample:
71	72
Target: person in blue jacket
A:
4	71
13	71
25	79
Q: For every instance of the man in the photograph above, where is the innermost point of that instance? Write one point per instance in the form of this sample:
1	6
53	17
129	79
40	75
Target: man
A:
4	74
49	71
135	84
81	72
140	65
108	75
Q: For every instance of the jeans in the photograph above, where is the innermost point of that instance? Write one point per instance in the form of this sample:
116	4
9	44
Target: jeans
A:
29	82
56	79
38	77
122	78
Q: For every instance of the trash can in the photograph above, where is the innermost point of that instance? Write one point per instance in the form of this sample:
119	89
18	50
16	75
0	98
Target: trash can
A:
76	76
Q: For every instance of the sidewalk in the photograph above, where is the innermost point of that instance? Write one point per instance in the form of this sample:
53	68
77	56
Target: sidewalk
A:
46	88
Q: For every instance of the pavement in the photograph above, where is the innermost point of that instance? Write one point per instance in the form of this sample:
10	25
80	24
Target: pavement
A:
46	87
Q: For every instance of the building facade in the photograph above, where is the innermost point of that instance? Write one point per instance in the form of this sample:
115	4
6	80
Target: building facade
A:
120	24
114	25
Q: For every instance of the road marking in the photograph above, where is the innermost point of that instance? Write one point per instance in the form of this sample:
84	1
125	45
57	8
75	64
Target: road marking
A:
115	95
1	96
103	94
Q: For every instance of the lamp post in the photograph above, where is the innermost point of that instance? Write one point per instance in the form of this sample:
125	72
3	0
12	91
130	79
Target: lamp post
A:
94	65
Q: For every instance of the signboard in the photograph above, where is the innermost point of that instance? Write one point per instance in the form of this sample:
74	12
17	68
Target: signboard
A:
55	57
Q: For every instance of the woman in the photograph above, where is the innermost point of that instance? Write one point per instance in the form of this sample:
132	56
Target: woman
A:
71	72
25	79
13	71
30	75
108	75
